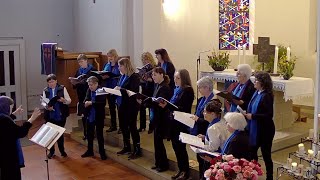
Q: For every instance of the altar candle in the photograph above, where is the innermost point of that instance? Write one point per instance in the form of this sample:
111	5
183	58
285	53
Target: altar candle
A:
300	168
275	65
311	133
301	148
244	48
294	166
310	154
239	48
288	53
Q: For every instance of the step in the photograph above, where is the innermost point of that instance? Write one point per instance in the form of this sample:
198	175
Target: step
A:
141	165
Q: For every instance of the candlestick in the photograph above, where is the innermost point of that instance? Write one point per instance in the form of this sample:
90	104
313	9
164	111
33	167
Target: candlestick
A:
244	48
288	53
310	154
275	65
294	166
318	155
301	148
311	133
239	48
300	168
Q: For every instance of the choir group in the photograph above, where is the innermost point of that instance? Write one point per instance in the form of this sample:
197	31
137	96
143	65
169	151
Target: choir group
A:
222	129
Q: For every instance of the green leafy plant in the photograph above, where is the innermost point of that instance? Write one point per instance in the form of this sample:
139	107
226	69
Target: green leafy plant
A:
219	60
286	67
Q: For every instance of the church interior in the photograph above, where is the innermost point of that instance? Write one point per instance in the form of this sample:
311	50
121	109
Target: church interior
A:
190	31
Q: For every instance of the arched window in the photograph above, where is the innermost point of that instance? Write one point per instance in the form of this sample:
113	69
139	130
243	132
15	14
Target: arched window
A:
233	24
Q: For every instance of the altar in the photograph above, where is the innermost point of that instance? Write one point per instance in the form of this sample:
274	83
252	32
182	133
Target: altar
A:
284	92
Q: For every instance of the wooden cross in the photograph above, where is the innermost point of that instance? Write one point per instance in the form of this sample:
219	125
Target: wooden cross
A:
263	49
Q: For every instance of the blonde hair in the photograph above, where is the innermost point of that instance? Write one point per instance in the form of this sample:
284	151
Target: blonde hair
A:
148	56
127	65
82	57
93	79
113	53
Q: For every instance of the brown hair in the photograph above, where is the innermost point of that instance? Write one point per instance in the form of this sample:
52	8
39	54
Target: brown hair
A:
51	77
160	70
113	53
127	64
214	106
93	79
148	56
185	78
265	80
82	57
164	54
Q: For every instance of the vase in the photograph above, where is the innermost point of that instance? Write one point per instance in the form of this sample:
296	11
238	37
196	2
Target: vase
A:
286	76
218	68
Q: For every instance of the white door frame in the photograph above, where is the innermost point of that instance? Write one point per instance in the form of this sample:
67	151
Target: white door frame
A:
23	75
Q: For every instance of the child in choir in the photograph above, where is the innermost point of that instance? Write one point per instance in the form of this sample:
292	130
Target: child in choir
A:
161	118
95	113
58	113
165	62
183	98
128	108
111	82
205	87
147	86
85	69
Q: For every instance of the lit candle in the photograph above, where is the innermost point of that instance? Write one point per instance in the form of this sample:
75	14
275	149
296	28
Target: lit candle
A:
300	168
289	161
239	48
310	154
294	166
288	53
275	65
301	148
244	48
311	133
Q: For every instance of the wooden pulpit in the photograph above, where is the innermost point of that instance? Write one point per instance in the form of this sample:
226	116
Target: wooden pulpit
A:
67	66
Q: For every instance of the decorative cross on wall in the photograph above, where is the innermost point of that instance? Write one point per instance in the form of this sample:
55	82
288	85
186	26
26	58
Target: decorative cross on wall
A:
263	49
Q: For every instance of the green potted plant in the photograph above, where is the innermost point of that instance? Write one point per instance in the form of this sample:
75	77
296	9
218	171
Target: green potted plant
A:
286	67
219	61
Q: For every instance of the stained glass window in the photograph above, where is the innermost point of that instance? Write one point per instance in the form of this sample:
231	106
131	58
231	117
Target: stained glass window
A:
233	24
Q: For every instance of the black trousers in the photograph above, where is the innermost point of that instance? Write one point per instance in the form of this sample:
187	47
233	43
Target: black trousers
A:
112	108
203	166
128	125
160	152
98	127
60	141
266	154
181	153
10	173
143	119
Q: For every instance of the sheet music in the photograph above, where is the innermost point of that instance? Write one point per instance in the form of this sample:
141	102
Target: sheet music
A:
104	90
198	150
47	135
241	110
190	139
184	118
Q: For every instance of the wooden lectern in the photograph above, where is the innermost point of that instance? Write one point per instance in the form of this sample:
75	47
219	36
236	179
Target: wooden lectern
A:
67	66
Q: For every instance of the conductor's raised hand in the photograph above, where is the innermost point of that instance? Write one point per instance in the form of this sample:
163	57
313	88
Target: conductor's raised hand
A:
19	110
36	113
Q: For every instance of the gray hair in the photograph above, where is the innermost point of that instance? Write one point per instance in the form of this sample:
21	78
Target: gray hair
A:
93	79
245	69
236	120
205	82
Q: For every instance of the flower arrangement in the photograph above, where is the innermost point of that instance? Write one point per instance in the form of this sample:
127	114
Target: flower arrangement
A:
286	67
219	61
227	167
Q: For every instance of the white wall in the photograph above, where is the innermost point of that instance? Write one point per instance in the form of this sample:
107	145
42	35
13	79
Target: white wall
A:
37	21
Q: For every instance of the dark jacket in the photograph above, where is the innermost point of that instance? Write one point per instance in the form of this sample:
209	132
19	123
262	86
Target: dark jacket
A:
170	72
64	109
239	146
247	94
129	105
184	103
9	133
264	117
161	119
201	124
83	87
99	106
